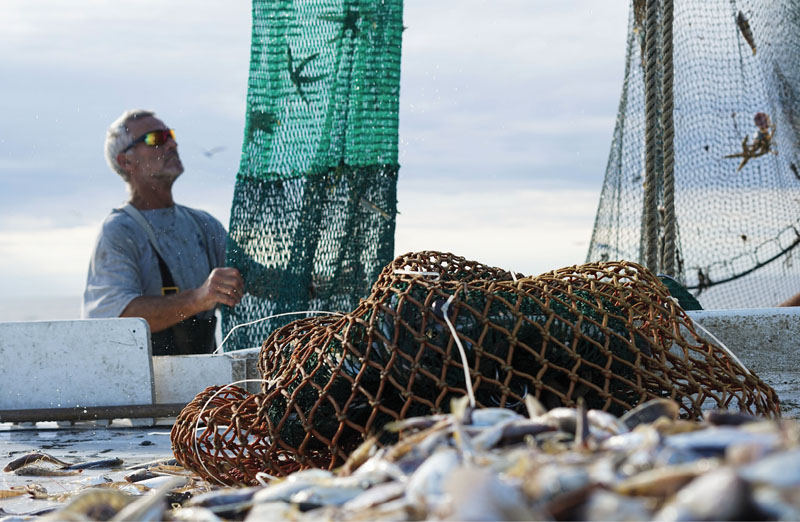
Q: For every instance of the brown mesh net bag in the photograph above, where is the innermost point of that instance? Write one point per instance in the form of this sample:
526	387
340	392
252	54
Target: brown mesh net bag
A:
608	333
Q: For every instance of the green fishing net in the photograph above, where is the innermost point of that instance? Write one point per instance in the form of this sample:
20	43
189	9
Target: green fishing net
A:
313	215
736	70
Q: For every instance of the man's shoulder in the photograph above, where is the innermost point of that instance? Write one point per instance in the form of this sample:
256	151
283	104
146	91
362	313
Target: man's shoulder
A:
117	220
119	232
118	225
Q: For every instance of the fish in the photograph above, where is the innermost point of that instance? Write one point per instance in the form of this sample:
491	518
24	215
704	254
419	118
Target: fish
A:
662	482
645	438
92	504
772	504
650	411
603	424
361	454
31	458
416	423
35	513
325	495
279	492
781	469
274	511
747	33
714	441
198	514
491	463
728	418
102	463
510	432
133	489
282	490
493	416
33	470
149	507
607	505
376	495
96	481
141	474
719	494
479	494
369	205
169	461
378	465
5	493
563	418
168	469
410	444
533	406
157	482
227	502
426	485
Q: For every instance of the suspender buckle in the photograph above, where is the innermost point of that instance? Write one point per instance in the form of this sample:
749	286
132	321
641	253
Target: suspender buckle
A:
167	290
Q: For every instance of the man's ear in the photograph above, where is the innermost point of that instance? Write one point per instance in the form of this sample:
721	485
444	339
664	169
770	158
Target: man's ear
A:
124	161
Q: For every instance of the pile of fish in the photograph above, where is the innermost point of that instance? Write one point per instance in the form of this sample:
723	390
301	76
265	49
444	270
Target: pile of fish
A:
495	464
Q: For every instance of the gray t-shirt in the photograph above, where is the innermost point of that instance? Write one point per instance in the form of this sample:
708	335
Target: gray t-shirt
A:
124	265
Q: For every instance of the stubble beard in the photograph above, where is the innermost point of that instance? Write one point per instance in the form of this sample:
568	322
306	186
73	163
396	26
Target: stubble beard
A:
171	170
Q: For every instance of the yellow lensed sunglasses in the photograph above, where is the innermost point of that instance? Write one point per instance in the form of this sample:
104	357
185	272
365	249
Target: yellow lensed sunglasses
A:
153	138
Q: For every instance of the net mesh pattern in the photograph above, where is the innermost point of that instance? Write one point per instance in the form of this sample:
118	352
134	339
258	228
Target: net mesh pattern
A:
737	203
313	214
605	333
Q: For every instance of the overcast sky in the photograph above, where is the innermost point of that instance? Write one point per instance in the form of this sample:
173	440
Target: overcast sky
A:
507	112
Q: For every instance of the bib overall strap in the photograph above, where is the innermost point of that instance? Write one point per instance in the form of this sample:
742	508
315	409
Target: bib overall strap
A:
168	285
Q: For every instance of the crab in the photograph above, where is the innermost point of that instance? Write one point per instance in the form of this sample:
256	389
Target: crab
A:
762	141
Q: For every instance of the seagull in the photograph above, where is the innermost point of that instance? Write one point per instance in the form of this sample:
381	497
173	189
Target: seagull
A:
211	152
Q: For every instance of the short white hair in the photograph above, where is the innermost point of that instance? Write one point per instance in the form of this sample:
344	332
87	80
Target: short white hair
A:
118	138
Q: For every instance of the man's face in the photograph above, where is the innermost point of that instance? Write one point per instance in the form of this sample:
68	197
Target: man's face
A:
160	161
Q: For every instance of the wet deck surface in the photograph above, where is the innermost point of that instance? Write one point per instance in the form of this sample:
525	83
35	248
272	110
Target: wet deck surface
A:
79	443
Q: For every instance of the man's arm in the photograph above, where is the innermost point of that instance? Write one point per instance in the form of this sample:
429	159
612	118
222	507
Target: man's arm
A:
223	286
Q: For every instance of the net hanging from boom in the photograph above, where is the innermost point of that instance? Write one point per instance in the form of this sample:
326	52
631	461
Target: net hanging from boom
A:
735	68
313	215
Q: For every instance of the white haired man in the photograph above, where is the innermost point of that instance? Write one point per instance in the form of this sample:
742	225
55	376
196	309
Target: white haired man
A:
153	258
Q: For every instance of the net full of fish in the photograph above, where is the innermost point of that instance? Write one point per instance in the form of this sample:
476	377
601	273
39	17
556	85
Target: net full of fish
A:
438	326
497	464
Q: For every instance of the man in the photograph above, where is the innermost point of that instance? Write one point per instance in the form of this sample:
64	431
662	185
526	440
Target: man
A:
155	259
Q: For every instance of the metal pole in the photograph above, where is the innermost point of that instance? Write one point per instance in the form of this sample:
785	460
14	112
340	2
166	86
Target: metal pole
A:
137	411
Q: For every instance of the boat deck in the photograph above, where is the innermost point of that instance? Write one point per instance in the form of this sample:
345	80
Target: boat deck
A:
80	442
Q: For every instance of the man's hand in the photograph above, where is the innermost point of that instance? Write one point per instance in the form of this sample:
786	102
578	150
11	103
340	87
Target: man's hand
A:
223	286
